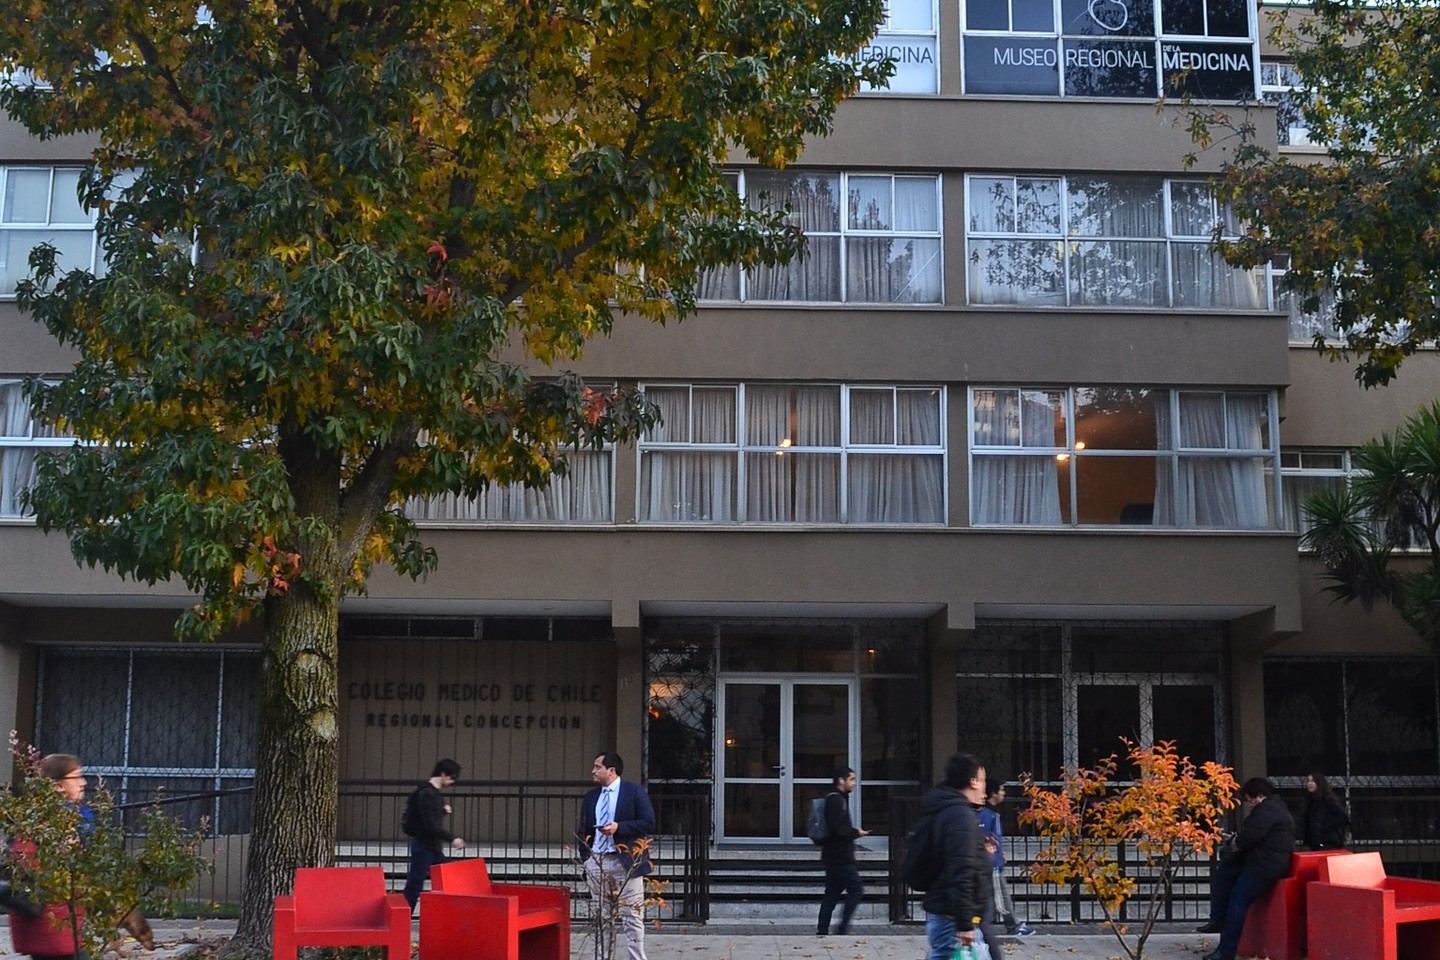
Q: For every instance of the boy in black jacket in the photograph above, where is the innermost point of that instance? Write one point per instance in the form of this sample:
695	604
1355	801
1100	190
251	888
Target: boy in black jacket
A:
426	812
955	903
837	853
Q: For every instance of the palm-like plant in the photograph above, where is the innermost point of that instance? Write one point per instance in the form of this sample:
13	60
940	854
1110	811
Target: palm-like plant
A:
1393	500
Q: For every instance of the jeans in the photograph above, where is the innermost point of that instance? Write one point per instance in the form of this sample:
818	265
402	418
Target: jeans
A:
942	937
421	860
840	878
1232	890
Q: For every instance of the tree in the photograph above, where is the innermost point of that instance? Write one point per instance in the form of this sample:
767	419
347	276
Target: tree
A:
1392	501
1171	813
385	197
82	859
1361	225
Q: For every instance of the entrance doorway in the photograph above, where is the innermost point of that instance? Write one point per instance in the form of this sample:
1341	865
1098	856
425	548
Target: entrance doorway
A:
780	741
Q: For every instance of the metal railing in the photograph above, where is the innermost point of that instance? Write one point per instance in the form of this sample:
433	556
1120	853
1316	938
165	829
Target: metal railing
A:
524	830
1402	828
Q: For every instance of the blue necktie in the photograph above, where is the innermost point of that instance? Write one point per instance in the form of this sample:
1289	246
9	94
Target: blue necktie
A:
603	817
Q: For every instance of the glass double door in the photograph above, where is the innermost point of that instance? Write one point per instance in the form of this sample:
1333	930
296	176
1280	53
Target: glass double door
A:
782	739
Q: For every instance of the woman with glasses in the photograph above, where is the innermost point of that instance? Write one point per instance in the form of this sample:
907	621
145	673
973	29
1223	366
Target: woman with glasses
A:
47	936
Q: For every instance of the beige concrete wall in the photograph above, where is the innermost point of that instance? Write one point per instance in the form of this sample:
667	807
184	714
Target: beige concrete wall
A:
1326	406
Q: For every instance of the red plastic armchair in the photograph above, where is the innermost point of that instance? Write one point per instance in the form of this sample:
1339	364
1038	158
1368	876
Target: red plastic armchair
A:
466	917
342	907
1275	923
1355	912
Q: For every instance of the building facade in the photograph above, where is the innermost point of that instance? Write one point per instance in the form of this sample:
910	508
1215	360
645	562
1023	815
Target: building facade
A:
1009	462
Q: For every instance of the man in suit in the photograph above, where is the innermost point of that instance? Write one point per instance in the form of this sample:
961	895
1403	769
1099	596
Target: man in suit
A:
616	820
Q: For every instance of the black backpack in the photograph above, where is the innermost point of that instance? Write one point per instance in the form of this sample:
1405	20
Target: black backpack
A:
920	860
817	825
408	816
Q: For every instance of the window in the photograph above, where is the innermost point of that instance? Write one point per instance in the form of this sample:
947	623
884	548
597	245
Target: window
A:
41	205
584	495
21	438
908	38
1304	327
1112	242
1280	84
871	238
794	453
153	720
1305	472
1046	456
1137	49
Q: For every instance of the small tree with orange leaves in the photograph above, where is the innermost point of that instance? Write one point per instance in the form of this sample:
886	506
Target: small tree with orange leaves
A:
1171	813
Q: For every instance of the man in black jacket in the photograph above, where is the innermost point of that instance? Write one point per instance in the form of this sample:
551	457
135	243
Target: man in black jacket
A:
837	853
1262	856
424	821
956	901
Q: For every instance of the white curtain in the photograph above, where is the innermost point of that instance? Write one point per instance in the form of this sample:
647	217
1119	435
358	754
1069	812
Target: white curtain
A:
1222	491
1012	488
898	487
682	486
815	208
894	269
1201	277
785	482
584	495
1126	266
17	464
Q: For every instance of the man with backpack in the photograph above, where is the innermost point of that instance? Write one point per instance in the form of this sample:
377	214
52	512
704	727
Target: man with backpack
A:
837	853
423	821
957	896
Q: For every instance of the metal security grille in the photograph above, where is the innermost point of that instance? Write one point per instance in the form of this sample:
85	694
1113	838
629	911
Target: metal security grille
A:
1035	696
146	721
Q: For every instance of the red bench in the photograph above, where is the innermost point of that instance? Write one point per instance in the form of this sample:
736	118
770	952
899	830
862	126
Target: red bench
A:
1355	912
1275	923
341	907
466	917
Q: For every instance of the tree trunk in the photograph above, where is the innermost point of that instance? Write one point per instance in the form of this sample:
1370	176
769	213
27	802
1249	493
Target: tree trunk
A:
297	764
293	817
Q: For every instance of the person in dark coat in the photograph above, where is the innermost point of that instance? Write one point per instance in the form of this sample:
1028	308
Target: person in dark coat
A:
955	903
426	812
1323	820
837	853
1261	857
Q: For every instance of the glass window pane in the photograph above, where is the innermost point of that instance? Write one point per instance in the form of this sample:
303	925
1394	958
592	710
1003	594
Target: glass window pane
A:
1021	490
821	729
1106	18
812	277
987	15
82	706
1037	206
1173	648
1118	273
917	415
713	413
870	204
17	474
1228	18
915	206
1109	68
1105	713
872	416
27	196
178	729
891	488
1204	279
892	270
1033	15
1116	207
1115	489
65	198
909	15
1390	707
1192	208
1015	271
1119	418
785	487
1224	492
719	283
687	487
813	199
1186	716
787	647
992	204
674	407
1183	17
787	415
678	730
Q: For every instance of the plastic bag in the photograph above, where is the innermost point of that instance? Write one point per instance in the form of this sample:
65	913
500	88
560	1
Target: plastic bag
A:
968	951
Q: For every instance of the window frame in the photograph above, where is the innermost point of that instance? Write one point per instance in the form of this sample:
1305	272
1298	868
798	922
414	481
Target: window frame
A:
1068	243
844	234
1073	452
49	225
28	442
741	448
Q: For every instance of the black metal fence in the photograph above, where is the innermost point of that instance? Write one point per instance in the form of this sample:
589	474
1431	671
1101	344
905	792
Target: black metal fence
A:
1402	828
525	833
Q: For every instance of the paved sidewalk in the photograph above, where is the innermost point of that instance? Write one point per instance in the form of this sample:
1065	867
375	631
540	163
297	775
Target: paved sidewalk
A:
753	941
